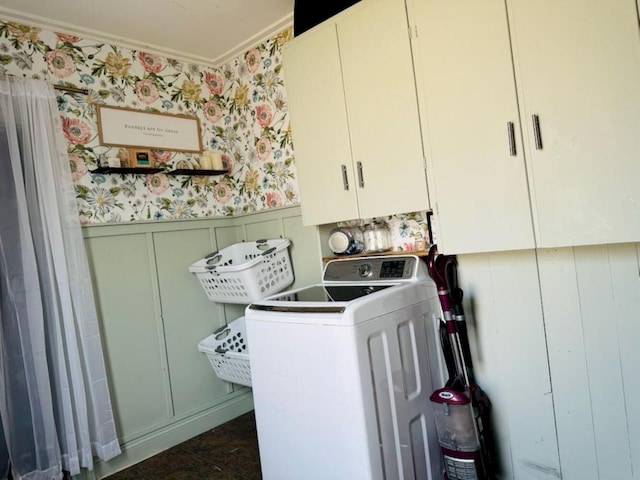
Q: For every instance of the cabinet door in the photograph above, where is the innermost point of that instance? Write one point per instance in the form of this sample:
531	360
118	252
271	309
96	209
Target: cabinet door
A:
380	92
578	67
465	79
313	78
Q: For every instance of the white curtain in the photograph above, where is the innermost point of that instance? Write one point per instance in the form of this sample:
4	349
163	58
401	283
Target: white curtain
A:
54	400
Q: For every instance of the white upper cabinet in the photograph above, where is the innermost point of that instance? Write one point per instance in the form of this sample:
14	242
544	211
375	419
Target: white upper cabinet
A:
473	142
547	85
318	116
578	68
354	116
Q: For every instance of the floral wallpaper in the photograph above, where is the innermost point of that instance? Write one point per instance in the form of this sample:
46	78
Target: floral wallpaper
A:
241	105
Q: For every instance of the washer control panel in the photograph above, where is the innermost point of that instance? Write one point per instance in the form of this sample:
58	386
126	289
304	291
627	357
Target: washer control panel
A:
387	268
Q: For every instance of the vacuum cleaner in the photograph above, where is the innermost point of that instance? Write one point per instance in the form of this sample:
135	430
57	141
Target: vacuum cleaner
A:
461	408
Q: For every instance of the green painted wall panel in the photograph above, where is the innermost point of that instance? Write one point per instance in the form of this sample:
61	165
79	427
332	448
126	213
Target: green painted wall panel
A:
188	317
257	230
123	276
304	251
227	235
153	313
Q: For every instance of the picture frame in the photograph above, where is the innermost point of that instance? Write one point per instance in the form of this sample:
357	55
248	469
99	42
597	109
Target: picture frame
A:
130	128
140	158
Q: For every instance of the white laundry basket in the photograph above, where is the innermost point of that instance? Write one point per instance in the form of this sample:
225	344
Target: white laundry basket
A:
228	352
245	272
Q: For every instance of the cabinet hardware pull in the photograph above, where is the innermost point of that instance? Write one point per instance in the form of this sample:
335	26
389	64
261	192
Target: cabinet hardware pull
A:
512	139
360	176
536	131
345	179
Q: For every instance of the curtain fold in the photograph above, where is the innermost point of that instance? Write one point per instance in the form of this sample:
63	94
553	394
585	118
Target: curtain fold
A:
54	399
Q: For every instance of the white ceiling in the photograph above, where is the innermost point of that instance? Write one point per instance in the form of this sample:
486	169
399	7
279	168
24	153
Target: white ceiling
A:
205	31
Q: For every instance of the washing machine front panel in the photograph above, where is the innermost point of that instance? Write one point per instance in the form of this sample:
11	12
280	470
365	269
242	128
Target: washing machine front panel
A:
309	402
345	401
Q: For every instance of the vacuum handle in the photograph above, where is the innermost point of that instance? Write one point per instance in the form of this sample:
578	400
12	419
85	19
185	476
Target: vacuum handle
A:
447	351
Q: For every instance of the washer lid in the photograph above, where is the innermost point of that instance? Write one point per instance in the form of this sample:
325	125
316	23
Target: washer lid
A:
317	298
329	293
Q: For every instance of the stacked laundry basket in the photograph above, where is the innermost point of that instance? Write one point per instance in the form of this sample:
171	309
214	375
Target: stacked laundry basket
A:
241	273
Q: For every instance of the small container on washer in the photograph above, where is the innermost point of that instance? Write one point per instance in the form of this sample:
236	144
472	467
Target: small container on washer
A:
346	240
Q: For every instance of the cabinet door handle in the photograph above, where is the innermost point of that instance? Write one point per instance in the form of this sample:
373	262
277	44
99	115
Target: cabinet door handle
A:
345	178
512	139
360	176
536	131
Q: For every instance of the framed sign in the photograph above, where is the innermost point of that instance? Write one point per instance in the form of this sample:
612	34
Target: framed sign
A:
126	127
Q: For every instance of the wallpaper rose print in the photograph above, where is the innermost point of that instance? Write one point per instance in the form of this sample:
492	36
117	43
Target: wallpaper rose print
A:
241	106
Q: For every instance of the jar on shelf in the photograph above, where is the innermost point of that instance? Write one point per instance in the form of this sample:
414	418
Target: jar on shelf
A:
377	237
346	240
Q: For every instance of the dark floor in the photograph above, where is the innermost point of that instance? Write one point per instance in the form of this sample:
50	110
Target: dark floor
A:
228	452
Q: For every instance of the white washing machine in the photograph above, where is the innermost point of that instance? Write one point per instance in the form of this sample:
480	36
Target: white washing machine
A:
342	372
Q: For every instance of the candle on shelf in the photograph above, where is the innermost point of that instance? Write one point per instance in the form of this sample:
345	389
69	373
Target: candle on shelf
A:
216	161
205	161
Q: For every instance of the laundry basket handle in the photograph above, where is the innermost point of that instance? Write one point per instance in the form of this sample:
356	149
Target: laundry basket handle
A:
220	329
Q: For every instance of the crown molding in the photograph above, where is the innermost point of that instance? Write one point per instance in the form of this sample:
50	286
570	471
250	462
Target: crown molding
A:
255	40
57	26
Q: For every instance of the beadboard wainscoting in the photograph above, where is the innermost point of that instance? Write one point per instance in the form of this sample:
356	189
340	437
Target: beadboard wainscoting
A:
153	313
555	335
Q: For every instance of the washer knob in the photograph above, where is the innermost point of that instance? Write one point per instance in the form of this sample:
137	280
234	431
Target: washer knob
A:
365	270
